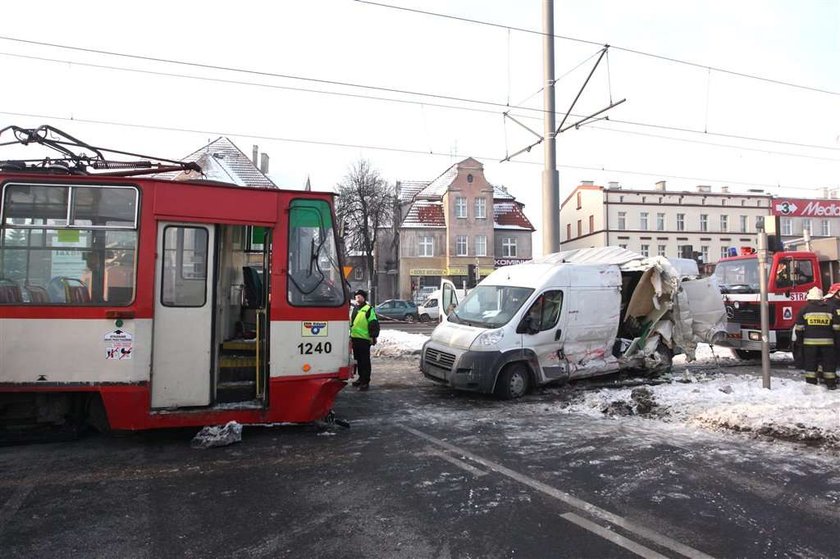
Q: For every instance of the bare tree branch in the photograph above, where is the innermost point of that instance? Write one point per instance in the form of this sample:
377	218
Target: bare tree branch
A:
365	203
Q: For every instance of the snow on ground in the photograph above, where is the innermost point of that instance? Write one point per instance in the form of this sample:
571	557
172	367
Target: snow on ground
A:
706	397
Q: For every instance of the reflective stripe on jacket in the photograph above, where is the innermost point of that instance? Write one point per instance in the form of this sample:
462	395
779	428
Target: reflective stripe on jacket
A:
360	324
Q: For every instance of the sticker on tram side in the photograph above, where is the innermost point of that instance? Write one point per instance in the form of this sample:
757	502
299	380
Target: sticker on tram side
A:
313	328
118	345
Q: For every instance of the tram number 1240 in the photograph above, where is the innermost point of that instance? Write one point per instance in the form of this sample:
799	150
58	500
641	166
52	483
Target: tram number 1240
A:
310	348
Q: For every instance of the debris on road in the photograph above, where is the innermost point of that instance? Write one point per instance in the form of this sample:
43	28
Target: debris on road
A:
218	435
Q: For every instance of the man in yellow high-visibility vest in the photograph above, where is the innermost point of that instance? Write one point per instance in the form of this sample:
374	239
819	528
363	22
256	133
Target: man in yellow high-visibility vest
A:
364	329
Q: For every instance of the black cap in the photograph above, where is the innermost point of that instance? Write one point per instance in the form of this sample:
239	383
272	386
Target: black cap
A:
361	292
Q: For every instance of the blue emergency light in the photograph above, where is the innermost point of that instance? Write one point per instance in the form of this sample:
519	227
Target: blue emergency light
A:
732	251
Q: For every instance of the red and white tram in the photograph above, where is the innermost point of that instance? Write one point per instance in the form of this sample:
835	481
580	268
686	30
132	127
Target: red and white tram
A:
153	303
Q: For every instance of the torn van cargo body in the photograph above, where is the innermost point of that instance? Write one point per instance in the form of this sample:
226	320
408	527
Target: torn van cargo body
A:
571	315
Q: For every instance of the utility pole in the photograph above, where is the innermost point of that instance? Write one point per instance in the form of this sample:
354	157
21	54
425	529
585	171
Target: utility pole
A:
763	306
550	179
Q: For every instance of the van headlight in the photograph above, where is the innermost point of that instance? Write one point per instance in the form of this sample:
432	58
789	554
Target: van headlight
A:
489	338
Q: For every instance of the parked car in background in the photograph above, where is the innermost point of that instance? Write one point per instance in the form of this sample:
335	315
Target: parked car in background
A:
429	309
398	309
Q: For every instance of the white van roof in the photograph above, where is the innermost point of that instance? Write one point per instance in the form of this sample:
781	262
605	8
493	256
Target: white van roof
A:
590	266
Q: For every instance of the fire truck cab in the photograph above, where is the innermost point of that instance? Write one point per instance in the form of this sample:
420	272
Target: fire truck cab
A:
791	273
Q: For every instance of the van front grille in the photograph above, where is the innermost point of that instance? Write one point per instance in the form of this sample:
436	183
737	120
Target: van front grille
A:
437	358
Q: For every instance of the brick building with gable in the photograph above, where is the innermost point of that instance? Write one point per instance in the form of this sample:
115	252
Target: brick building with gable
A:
445	225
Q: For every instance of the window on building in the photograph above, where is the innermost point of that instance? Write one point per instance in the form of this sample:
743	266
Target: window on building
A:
787	226
807	226
480	208
680	222
508	247
622	245
704	222
622	221
426	246
745	226
460	207
591	223
579	228
568	231
724	223
660	222
826	228
704	253
461	245
578	199
481	245
723	252
643	221
645	250
660	250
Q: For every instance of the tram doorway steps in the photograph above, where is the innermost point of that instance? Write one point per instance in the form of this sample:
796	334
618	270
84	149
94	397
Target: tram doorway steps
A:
237	372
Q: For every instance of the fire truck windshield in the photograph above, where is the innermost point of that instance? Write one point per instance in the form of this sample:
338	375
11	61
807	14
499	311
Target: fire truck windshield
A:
738	276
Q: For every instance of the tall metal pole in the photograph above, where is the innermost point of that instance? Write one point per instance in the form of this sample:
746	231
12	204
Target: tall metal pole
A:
550	179
764	309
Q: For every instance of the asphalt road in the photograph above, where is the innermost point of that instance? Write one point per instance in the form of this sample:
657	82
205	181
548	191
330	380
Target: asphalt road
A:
424	472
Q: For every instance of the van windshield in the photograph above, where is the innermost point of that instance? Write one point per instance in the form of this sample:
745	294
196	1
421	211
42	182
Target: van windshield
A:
490	306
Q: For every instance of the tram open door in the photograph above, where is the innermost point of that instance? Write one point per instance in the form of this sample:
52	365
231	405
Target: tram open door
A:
211	320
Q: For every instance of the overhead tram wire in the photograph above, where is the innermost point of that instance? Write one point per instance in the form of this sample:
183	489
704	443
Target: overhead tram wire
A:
601	44
392	149
372	97
260	73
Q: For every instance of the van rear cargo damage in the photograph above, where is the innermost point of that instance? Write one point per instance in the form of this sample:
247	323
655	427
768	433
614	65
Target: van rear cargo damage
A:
574	314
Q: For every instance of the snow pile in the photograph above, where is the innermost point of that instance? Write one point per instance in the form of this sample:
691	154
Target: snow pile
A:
791	410
393	343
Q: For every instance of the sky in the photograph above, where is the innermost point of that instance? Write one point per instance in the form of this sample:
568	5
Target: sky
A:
703	395
434	89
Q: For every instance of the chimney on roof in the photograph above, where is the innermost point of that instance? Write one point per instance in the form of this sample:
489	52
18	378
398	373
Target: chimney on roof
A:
660	186
724	189
832	193
264	164
704	188
587	183
825	192
255	155
613	185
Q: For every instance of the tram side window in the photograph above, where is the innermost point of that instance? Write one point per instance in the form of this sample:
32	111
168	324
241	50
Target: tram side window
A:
314	272
68	245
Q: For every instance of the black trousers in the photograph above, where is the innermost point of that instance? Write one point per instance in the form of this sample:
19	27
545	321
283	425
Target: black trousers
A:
361	352
816	355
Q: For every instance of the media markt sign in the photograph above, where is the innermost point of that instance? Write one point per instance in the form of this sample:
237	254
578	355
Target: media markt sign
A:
797	207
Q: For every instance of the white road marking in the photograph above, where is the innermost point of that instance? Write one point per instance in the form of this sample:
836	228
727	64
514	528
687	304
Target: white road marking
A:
452	460
569	499
617	539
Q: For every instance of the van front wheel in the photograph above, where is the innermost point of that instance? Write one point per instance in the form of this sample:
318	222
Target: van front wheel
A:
513	382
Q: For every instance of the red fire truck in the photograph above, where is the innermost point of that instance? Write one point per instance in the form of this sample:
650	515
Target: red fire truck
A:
133	301
791	273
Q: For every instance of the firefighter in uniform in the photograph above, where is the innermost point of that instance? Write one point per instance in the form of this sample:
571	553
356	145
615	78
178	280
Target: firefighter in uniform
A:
818	326
364	329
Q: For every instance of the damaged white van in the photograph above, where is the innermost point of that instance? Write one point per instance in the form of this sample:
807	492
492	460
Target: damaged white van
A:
570	315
